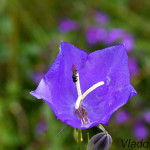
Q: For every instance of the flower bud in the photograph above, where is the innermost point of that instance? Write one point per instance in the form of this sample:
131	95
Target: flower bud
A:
101	141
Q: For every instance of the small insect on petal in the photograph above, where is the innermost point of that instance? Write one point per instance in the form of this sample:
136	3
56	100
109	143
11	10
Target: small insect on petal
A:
74	74
101	141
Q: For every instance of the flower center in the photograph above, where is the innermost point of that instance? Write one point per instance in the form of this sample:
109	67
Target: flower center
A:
81	114
79	108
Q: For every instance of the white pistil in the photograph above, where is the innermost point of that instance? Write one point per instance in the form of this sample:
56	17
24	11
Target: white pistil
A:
78	102
78	85
80	96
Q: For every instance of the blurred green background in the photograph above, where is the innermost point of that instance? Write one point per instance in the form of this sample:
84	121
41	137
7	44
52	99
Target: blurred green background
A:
29	43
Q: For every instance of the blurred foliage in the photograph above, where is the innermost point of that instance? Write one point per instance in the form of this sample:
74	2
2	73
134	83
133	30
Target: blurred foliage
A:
29	42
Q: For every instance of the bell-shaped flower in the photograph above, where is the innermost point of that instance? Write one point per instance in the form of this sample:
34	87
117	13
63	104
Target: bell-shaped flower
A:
84	89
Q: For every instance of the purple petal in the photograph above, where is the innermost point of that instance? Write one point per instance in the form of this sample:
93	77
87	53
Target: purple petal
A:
59	91
109	65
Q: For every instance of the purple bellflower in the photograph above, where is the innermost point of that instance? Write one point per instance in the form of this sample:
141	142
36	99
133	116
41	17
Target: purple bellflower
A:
100	85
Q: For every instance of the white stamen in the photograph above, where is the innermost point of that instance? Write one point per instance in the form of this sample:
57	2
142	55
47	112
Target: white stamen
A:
80	96
78	85
92	88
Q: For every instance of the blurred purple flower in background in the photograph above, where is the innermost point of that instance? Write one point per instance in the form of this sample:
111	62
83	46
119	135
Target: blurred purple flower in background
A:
113	36
128	42
133	66
95	35
67	25
105	83
140	131
147	116
41	127
120	36
122	116
101	17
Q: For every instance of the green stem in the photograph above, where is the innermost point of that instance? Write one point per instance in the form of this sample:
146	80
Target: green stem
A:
88	137
79	139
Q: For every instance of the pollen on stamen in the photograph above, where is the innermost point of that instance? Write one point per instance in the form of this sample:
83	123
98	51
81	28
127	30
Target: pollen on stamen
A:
82	114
